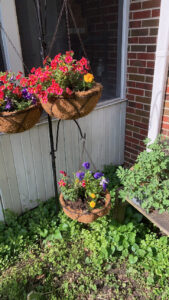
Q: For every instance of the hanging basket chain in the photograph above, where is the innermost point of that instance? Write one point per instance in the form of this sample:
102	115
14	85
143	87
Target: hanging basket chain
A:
13	46
67	24
83	139
56	29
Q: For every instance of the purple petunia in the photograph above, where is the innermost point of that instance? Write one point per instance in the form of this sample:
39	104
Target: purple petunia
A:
80	175
86	165
97	175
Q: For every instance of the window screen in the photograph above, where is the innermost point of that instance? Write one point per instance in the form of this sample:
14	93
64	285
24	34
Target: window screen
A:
99	23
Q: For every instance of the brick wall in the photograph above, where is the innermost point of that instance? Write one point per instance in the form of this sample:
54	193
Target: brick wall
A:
143	30
165	120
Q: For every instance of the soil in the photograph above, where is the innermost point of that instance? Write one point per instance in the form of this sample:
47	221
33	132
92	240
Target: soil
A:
83	203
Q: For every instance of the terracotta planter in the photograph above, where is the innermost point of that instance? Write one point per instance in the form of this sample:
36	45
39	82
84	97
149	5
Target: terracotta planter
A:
78	105
85	216
19	121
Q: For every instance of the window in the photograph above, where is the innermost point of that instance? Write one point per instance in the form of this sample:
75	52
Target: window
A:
100	25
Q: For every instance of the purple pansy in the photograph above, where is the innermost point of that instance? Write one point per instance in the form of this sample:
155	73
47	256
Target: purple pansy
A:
86	165
80	175
97	175
33	99
104	182
8	105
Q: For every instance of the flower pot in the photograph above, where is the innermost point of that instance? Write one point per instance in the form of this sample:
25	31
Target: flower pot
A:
19	121
85	216
75	106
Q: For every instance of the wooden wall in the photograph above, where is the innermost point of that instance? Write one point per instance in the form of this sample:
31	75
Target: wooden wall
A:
25	163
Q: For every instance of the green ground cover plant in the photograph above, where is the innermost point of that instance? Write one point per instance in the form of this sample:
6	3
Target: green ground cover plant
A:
49	256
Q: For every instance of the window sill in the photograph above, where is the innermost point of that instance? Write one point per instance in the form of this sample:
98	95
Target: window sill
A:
100	105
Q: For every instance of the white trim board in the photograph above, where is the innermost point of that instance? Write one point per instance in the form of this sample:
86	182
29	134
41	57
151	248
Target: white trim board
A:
160	73
9	22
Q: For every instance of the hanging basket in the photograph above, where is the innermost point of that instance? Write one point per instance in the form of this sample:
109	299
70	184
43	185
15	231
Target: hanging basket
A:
19	121
78	105
85	216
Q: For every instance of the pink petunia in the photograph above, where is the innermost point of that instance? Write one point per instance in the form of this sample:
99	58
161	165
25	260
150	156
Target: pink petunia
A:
68	59
69	91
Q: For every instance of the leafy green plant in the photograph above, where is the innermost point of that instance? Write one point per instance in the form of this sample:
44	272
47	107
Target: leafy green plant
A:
148	180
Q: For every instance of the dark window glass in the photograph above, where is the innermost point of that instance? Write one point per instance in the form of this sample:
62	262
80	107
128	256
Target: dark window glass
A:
99	23
2	61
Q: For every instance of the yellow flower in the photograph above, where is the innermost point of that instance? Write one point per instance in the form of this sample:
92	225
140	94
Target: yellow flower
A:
77	181
88	77
92	204
92	195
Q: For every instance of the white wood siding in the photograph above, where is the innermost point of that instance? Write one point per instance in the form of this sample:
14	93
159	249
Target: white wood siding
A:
25	162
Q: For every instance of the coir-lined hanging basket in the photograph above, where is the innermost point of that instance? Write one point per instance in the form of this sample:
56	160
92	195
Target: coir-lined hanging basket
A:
85	216
19	121
78	105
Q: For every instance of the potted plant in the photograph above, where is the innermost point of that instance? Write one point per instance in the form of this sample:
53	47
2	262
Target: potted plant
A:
19	109
148	180
85	198
64	86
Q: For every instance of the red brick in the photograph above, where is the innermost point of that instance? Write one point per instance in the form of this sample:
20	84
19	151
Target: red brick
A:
165	126
140	125
147	40
135	6
143	132
128	133
151	4
132	55
150	64
155	12
129	122
150	23
136	92
138	136
137	63
130	139
144	86
133	40
139	32
142	14
165	119
145	56
131	70
167	90
135	24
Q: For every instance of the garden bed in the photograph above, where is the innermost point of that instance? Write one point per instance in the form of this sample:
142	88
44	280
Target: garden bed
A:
53	257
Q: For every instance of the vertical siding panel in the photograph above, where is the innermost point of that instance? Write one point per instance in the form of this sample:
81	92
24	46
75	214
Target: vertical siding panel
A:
20	169
60	154
29	169
46	159
122	132
4	185
38	166
1	209
11	174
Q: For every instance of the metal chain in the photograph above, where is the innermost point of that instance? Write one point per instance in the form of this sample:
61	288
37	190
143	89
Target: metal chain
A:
67	24
14	48
56	29
78	33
